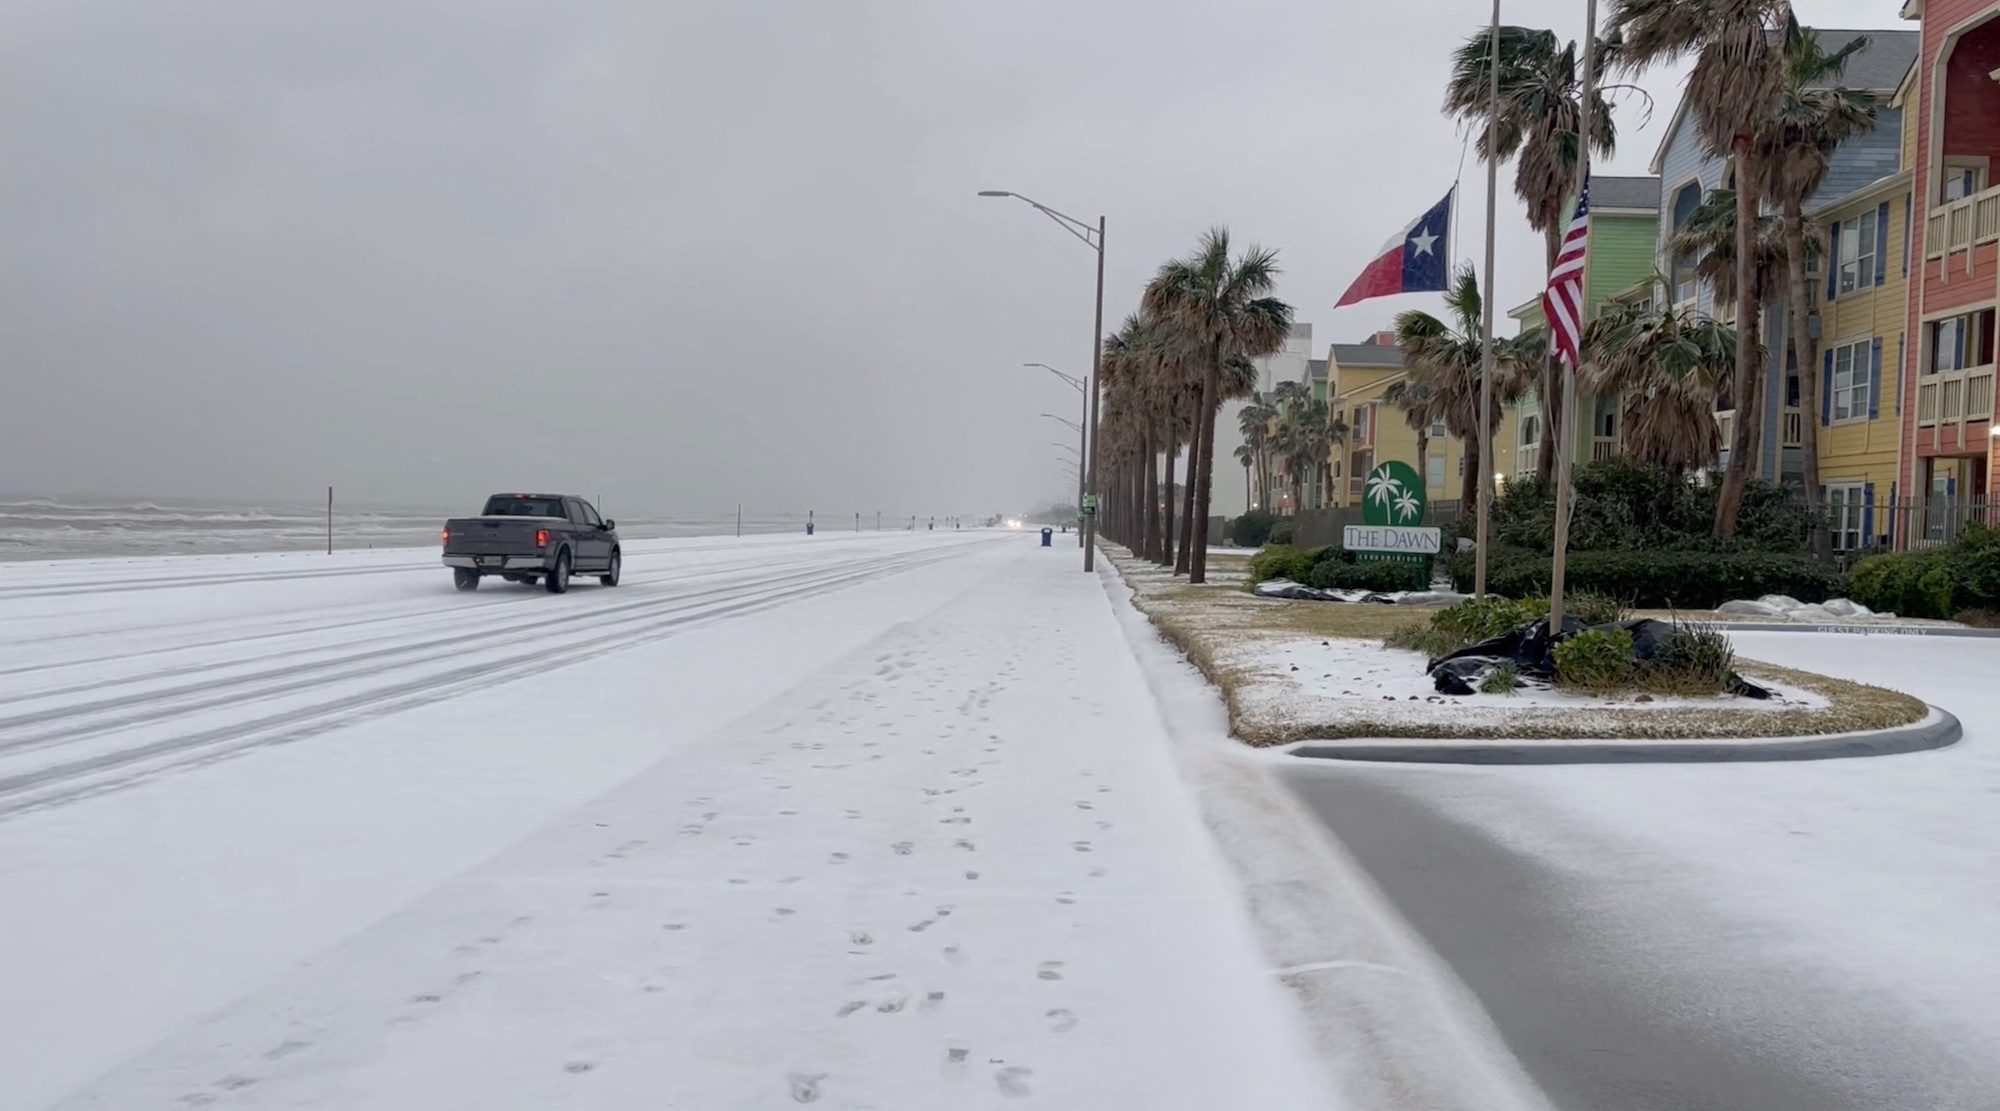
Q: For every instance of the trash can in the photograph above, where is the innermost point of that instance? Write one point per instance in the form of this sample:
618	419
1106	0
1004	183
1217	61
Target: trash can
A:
1048	535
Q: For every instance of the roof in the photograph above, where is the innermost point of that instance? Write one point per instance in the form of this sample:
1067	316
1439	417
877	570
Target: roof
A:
1625	192
1366	354
1315	370
1878	68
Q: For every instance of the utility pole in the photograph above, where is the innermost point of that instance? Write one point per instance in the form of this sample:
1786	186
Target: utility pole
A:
329	520
1486	358
739	520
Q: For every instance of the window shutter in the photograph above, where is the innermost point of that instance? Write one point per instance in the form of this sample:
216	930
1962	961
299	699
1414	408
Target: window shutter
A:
1875	379
1868	515
1881	241
1909	230
1899	375
1826	393
1833	261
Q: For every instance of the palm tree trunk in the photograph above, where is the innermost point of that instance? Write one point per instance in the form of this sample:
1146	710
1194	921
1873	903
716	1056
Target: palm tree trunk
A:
1468	487
1806	347
1551	386
1135	506
1165	555
1150	542
1184	561
1204	464
1749	376
1424	461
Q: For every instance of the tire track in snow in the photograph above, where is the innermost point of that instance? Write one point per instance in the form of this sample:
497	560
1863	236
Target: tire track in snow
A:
57	784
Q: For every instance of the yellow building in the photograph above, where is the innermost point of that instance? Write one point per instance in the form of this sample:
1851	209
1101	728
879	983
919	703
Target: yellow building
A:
1359	377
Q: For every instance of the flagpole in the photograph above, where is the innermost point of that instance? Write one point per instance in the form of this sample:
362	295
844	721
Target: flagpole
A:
1486	357
1559	561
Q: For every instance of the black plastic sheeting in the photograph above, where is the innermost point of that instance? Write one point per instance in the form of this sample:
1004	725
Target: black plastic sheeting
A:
1531	649
1297	593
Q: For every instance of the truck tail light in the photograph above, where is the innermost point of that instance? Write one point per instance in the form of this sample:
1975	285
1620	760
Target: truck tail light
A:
446	538
541	538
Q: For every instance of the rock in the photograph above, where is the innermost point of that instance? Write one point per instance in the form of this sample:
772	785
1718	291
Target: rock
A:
1750	609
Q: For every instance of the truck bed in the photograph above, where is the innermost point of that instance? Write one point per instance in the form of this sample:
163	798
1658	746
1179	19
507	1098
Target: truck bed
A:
503	536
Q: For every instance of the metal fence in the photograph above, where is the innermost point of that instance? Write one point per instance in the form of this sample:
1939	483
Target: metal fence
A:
1861	528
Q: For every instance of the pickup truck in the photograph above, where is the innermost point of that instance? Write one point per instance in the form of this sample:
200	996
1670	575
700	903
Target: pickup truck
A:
525	537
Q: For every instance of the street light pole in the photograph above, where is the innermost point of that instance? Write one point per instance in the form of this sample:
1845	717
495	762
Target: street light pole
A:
1082	439
1087	530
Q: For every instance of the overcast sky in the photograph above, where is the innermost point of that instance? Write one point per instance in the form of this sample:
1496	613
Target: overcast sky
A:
684	254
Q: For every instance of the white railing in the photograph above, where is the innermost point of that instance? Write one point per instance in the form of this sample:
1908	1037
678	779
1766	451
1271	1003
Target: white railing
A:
1528	459
1955	396
1603	449
1963	224
1794	428
1726	422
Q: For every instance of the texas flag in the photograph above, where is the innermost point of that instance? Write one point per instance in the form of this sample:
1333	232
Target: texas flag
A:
1412	262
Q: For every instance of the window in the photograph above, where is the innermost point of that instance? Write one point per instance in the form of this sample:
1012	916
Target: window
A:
1845	506
1685	202
1434	472
1961	179
1438	430
1851	369
1958	342
1531	430
1857	252
590	516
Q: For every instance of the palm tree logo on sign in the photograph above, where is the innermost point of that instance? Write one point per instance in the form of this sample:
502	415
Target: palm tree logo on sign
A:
1394	496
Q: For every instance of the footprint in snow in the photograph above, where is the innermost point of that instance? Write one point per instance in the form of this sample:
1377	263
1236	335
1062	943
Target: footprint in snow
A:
1013	1081
1080	846
1049	970
904	848
1061	1020
805	1086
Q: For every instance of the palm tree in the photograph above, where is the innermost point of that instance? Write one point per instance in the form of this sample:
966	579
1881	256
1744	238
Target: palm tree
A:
1669	364
1541	112
1254	422
1710	237
1811	119
1223	306
1336	441
1415	400
1739	49
1445	359
1246	455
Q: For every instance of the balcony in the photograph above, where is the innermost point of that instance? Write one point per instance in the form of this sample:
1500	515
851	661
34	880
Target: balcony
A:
1603	449
1528	458
1963	225
1955	397
1794	428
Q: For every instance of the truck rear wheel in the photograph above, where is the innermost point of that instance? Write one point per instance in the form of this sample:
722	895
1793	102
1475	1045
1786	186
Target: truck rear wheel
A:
465	578
558	580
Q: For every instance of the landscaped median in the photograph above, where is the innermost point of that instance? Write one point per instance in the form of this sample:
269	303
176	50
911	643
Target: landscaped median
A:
1294	671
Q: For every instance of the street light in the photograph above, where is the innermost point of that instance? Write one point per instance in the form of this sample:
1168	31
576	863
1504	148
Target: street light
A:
1094	239
1065	447
1073	426
1075	383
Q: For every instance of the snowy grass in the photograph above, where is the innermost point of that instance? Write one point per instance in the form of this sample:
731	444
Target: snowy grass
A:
1293	671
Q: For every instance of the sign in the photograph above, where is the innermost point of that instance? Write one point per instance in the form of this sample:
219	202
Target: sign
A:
1393	495
1392	509
1089	504
1388	538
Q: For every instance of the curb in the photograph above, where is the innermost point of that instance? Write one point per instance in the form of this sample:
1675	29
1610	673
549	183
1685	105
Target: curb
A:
1394	1027
1937	730
1867	630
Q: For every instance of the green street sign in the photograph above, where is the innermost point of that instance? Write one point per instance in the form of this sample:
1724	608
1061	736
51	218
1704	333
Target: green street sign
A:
1393	495
1090	503
1392	512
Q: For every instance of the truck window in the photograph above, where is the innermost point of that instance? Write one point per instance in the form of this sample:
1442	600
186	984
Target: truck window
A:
511	505
590	516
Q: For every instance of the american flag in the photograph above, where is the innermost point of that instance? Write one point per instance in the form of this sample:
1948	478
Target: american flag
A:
1563	303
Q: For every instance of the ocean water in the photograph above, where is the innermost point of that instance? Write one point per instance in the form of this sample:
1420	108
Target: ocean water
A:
44	528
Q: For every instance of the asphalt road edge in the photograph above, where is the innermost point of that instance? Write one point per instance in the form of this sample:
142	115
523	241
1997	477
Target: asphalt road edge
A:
1393	1025
1937	730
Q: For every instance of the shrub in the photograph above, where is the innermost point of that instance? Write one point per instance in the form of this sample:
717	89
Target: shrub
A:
1934	583
1591	608
1252	530
1697	659
1281	533
1505	679
1662	578
1333	574
1280	562
1596	660
1621	505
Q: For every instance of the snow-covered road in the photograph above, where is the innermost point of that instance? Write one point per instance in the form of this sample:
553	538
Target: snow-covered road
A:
877	820
1816	936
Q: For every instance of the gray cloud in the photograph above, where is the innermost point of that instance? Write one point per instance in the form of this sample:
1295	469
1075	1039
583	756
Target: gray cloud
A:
680	254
